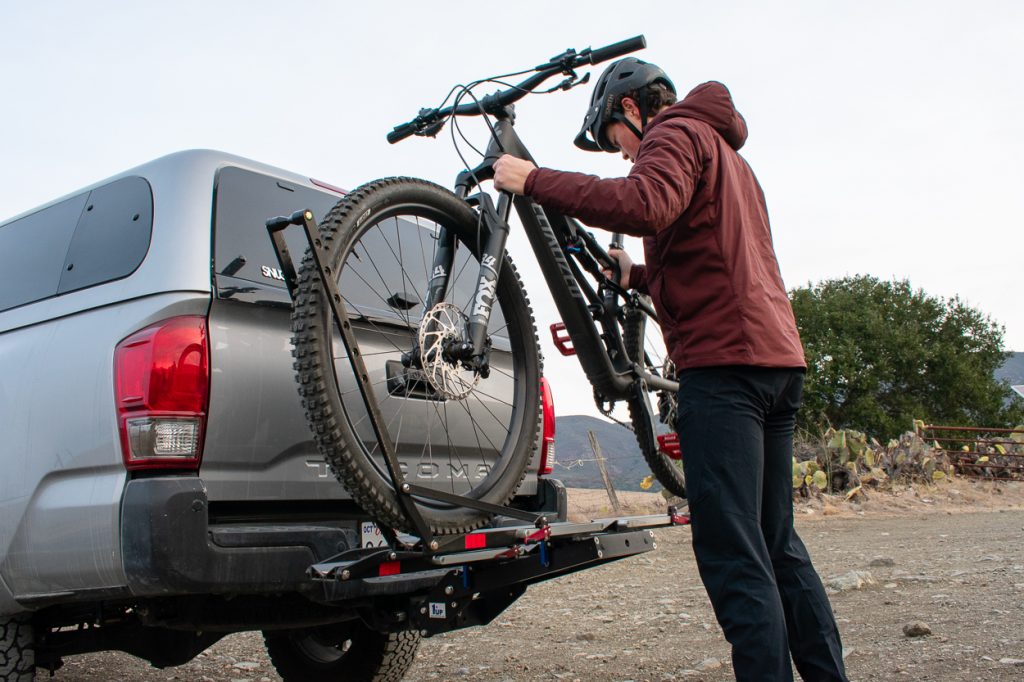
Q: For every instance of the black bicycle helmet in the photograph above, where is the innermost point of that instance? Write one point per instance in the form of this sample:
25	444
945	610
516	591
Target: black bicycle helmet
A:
619	78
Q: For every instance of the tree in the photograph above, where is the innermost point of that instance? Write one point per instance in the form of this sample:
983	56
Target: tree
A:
880	354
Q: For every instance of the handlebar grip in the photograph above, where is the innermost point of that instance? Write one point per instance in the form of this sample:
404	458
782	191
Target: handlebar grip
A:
401	132
618	49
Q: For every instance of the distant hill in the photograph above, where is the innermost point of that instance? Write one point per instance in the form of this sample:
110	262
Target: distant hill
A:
1012	370
576	465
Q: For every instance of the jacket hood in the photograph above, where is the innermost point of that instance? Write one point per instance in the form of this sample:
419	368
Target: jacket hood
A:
709	102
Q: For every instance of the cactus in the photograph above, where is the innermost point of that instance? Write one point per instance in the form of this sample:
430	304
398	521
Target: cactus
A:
849	461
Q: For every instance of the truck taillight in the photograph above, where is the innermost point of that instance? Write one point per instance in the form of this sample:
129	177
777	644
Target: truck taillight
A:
547	447
161	388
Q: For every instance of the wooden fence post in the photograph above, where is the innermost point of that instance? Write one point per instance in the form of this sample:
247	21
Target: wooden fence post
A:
612	497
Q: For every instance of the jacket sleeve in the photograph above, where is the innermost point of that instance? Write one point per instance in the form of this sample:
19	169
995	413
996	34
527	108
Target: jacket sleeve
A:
638	278
653	196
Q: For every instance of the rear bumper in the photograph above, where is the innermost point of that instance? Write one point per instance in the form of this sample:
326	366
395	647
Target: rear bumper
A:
169	548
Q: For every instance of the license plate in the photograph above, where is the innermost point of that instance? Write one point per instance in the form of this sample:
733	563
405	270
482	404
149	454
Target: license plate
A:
370	535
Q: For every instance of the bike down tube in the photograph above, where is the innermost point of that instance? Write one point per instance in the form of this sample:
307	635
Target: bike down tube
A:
558	274
569	300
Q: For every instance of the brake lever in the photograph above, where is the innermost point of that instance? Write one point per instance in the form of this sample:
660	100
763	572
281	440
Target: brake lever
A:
566	61
570	82
427	123
431	130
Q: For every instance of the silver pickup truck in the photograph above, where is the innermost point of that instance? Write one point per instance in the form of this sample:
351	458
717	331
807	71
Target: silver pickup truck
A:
159	487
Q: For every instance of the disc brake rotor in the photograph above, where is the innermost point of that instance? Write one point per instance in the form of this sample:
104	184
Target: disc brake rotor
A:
442	325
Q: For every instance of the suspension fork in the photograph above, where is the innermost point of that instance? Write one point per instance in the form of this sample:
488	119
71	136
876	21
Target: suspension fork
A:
496	221
474	349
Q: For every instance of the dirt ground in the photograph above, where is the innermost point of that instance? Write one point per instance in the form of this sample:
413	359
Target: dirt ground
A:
949	556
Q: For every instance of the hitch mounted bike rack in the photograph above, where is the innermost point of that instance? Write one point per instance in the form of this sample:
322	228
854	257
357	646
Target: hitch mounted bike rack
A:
437	584
476	576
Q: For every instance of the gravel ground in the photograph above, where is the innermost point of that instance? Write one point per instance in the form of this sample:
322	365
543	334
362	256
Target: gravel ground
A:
960	573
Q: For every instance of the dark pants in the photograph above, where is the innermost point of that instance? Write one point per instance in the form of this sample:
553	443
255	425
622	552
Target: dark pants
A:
736	435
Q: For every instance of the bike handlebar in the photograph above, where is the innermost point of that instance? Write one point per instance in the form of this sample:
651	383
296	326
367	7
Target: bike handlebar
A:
401	132
430	121
618	49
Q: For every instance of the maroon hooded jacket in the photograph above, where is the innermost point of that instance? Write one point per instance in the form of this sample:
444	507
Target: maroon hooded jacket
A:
710	264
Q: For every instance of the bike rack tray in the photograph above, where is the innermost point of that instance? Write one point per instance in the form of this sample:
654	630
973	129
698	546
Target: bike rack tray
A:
479	574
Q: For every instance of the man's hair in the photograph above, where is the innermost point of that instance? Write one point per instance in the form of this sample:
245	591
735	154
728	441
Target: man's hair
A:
658	97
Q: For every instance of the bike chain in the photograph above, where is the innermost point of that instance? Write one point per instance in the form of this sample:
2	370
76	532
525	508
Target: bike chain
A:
607	411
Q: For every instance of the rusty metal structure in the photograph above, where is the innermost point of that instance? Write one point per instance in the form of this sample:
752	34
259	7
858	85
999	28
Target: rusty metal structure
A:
980	452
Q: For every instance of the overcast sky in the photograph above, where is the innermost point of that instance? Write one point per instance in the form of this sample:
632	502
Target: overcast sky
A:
885	134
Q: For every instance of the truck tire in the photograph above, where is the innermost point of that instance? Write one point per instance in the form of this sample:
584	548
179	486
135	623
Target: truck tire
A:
349	652
17	650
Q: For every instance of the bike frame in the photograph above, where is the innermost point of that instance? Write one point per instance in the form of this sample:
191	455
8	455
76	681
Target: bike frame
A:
600	351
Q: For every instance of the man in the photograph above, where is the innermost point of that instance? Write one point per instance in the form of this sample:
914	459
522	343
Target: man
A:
729	328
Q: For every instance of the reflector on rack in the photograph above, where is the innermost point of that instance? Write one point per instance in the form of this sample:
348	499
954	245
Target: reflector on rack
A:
389	568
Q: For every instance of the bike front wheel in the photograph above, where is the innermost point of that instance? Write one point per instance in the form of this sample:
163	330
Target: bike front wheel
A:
453	429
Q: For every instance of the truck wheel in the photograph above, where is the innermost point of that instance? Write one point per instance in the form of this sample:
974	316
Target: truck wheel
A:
349	652
17	650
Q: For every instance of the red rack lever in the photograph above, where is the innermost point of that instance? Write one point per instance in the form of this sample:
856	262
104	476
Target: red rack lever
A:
561	340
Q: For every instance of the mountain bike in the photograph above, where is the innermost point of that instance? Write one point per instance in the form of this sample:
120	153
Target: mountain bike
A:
458	376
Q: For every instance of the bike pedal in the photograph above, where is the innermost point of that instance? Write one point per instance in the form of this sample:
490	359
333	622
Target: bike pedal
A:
668	445
561	339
